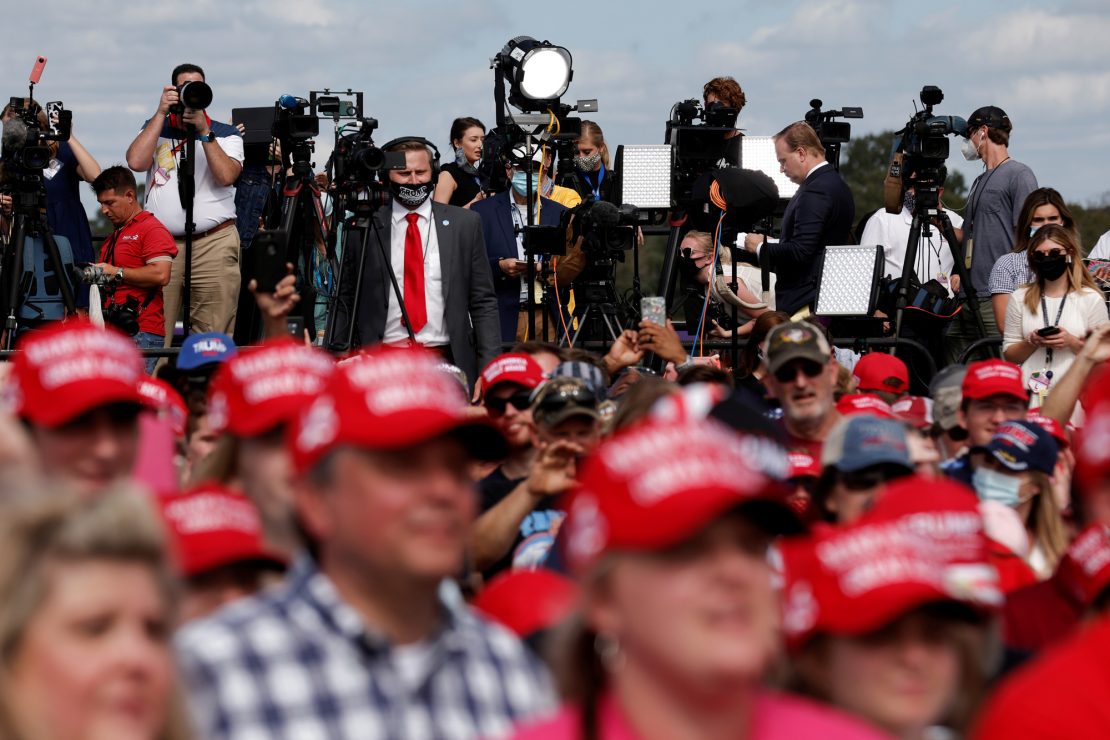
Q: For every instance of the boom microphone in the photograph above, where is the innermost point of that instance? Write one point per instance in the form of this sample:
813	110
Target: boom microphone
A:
14	136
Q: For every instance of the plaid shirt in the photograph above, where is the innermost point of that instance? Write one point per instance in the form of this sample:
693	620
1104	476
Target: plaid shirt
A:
297	662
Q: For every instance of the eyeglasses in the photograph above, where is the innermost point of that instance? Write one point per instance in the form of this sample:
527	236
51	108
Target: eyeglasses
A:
789	371
519	401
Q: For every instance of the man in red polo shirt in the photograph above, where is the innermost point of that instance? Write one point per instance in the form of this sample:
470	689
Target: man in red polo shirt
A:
138	255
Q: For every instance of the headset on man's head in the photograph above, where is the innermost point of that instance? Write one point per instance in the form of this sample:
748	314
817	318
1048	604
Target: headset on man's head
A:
434	150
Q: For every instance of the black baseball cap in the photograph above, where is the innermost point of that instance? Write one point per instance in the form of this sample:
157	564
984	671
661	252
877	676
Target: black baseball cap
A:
990	116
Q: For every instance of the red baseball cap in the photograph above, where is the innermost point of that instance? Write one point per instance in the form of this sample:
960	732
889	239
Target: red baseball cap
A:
1050	425
387	399
657	483
259	389
514	367
992	377
1084	571
802	465
210	527
916	410
70	368
862	403
878	371
528	601
907	551
164	400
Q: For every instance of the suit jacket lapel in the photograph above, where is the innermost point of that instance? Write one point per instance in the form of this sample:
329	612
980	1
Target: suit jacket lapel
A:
448	245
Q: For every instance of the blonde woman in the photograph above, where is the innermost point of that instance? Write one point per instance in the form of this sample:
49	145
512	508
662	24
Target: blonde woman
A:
86	613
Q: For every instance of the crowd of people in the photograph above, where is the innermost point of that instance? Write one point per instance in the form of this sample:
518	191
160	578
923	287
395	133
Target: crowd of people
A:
458	529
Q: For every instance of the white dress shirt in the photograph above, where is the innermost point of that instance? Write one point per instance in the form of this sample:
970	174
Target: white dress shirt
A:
434	333
892	230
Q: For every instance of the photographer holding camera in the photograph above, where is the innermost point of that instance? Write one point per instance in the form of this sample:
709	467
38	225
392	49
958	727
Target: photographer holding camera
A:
137	258
214	290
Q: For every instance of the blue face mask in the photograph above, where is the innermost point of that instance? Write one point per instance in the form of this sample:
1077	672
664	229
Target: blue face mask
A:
1033	230
994	486
520	184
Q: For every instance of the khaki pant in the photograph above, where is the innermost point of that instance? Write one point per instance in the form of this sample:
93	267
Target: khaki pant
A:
522	326
214	284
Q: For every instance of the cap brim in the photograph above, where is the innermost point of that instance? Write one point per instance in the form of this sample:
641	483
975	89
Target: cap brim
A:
1008	464
479	437
773	364
568	413
67	406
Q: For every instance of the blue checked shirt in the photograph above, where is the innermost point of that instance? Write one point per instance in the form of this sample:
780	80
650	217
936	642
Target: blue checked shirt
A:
297	662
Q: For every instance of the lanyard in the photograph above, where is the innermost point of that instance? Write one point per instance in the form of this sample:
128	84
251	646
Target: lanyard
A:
978	192
600	177
1044	315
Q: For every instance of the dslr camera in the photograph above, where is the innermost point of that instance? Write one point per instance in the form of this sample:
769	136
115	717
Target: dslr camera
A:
920	150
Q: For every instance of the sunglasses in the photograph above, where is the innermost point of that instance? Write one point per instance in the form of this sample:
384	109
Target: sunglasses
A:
864	479
1044	256
519	401
789	371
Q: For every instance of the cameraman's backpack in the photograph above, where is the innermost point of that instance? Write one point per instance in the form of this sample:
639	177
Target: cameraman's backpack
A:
42	291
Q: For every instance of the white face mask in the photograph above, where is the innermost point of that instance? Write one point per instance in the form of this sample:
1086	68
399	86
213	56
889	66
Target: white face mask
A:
970	151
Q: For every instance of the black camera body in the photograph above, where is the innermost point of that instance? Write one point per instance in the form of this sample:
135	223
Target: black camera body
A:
25	142
360	165
607	231
920	150
124	316
697	134
194	95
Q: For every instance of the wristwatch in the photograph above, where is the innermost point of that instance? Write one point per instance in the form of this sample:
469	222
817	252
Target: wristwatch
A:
207	137
119	274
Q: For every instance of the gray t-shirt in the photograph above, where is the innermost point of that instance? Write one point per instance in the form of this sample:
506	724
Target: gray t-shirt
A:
993	207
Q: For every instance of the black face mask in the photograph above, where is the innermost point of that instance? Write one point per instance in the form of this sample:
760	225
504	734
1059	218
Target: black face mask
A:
1051	268
411	195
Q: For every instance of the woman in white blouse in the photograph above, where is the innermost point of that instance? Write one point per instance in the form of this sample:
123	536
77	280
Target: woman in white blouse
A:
1048	319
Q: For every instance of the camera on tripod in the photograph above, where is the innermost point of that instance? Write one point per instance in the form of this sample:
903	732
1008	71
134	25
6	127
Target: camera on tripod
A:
25	141
607	231
920	151
698	147
358	163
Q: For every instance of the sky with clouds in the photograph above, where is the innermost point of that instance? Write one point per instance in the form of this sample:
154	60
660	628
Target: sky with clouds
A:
421	63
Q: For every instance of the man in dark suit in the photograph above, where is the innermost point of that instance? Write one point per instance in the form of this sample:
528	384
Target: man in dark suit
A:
439	262
820	213
501	215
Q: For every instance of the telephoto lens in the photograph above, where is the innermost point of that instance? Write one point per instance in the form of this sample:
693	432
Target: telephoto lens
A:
195	94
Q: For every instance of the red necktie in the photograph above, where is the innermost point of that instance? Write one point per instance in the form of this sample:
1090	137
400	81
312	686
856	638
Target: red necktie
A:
414	277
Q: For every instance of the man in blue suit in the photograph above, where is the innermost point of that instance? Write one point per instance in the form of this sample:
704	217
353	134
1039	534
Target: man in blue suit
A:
503	215
820	213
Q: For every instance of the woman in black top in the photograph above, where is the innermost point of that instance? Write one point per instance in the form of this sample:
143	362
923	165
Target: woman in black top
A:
458	183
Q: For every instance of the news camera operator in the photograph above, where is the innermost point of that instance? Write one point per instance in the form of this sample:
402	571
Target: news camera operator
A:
214	289
725	92
821	212
70	164
136	258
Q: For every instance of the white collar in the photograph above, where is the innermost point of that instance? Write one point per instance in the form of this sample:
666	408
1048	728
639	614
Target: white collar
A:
815	167
424	211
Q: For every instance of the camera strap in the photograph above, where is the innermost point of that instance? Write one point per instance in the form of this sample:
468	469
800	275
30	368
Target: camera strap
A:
109	256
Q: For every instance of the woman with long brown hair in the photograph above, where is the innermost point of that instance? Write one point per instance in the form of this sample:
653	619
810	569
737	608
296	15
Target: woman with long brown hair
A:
1044	206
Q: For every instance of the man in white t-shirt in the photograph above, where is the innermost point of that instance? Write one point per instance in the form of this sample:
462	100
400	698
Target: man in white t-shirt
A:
214	288
934	259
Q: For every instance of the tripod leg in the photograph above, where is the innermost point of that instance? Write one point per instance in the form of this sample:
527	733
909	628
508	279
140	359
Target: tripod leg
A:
909	260
13	263
961	270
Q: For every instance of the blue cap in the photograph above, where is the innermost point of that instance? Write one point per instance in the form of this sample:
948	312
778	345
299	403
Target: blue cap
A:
1022	445
205	349
860	441
589	374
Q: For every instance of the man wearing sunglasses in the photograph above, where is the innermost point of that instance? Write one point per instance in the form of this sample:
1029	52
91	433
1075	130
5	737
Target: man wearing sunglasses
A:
802	376
520	518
